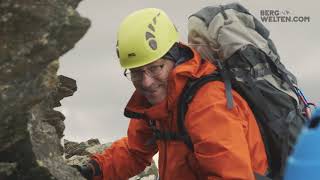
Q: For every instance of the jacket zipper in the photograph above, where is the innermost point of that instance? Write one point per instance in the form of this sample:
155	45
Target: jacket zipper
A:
165	156
166	143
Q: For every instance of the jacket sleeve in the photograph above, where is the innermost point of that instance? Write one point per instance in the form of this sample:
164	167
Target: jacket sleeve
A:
219	134
128	156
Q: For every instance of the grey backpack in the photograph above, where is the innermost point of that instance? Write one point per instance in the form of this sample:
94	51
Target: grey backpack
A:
247	61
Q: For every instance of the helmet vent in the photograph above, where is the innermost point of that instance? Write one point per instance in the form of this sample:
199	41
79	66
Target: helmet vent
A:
152	41
150	26
117	48
154	20
149	35
153	44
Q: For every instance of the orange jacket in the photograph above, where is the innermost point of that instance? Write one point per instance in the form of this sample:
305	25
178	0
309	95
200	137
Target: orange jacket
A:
227	143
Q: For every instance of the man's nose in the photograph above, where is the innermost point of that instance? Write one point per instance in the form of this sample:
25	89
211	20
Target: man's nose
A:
146	80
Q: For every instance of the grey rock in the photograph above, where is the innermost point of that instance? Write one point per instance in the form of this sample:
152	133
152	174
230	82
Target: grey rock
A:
66	88
33	35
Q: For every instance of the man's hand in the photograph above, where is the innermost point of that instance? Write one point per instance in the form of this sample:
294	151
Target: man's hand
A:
89	170
85	170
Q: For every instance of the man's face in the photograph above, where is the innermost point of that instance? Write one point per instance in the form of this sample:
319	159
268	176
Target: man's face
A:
152	80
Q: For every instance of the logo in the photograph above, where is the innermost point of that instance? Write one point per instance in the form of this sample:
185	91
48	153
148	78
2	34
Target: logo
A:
276	15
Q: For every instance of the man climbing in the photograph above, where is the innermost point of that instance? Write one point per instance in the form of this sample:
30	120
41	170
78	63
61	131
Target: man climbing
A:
225	144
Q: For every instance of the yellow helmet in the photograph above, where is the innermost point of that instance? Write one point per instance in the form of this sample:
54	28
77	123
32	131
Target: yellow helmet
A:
145	36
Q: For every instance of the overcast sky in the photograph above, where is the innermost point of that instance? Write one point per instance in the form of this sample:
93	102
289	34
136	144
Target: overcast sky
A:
96	109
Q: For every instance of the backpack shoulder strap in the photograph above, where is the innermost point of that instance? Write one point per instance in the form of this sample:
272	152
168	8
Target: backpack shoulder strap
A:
186	97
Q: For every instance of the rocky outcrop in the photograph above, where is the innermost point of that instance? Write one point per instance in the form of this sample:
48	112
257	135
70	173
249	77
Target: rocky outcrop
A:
33	35
79	153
